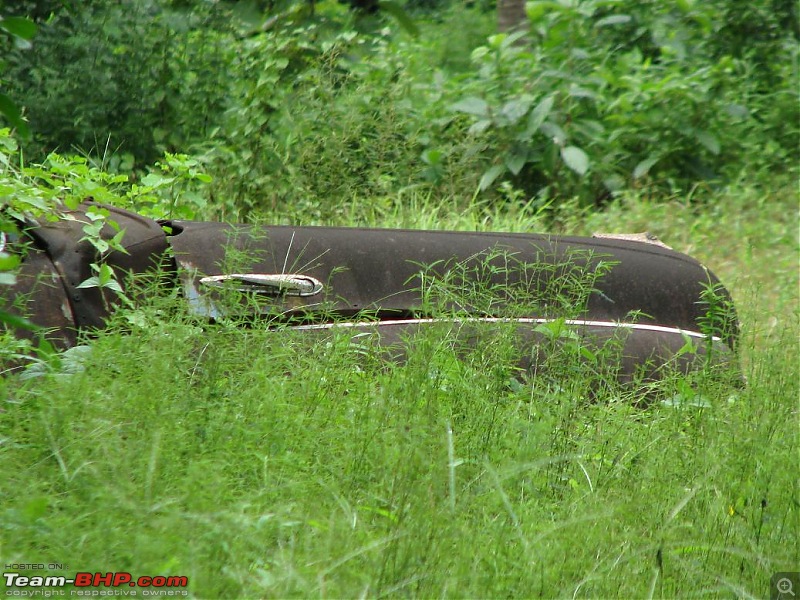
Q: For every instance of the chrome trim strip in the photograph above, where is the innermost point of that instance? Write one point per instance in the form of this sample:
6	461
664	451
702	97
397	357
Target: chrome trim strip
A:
525	320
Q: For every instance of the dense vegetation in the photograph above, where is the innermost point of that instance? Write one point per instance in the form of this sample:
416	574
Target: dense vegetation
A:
266	465
299	111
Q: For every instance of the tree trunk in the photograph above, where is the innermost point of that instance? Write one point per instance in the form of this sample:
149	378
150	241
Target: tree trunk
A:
511	16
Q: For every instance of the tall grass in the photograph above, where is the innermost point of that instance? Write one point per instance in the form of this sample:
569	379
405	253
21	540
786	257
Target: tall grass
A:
264	464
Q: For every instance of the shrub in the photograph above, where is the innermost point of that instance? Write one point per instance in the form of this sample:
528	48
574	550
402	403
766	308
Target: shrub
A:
128	78
605	98
305	111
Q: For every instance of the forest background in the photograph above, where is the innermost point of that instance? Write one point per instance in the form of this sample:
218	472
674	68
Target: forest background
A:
298	106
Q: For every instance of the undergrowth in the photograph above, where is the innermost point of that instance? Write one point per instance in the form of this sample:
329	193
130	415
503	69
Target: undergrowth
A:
278	463
299	468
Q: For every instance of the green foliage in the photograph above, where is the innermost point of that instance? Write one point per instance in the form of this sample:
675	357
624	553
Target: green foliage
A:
333	115
43	192
607	97
16	31
173	190
138	77
297	133
303	106
617	98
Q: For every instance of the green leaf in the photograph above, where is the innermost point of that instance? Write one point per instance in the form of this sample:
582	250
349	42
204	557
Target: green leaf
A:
115	243
575	159
613	20
155	180
115	286
480	126
490	175
536	11
708	141
509	39
576	91
738	111
248	14
588	354
514	110
105	274
643	168
554	132
12	114
515	162
556	329
8	261
90	282
21	27
473	106
397	11
16	321
432	157
539	114
614	182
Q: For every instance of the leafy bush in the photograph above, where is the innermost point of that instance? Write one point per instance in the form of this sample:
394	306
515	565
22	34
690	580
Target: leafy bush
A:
128	78
605	99
14	32
314	125
336	114
305	110
607	96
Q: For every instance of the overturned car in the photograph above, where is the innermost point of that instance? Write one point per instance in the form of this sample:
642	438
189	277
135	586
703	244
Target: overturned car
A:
633	292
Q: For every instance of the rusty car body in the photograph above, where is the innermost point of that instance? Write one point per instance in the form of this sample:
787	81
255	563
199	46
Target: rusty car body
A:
389	283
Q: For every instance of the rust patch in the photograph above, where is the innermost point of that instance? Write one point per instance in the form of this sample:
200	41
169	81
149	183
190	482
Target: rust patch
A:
645	237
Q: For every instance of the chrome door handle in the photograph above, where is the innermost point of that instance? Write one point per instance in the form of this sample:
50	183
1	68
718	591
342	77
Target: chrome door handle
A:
289	284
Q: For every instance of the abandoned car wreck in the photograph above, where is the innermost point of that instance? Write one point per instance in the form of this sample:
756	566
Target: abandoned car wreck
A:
632	292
